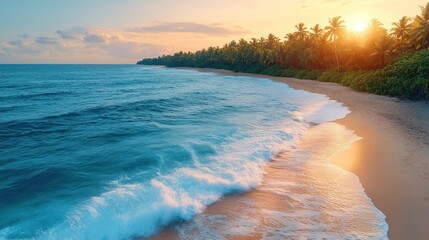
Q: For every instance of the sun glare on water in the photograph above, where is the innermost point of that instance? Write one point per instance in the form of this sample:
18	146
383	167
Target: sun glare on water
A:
359	26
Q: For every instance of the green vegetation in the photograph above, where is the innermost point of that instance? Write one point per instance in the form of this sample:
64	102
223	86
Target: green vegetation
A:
375	61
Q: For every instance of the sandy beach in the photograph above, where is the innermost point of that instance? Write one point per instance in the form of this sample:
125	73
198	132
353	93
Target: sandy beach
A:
391	161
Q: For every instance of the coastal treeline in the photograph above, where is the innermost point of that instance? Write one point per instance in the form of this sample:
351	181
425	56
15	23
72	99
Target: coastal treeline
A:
392	61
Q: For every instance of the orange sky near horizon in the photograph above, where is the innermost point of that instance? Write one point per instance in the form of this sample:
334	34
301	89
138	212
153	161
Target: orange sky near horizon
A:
125	31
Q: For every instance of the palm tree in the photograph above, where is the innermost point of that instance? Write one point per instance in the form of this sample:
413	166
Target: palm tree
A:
335	30
308	59
401	31
420	32
290	37
375	31
317	32
318	45
302	31
271	50
353	51
382	50
272	40
375	26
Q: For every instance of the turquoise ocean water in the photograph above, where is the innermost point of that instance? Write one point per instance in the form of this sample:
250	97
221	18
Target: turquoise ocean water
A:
118	151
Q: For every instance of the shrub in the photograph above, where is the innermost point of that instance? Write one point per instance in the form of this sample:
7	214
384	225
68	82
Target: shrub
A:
330	76
349	77
411	65
288	73
313	75
272	71
300	74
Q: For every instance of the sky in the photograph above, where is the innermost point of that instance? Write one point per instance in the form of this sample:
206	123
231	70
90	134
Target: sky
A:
124	31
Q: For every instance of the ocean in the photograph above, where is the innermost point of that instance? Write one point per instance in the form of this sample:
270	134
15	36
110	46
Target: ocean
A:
120	151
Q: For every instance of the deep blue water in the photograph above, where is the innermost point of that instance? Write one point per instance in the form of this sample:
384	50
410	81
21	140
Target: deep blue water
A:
116	151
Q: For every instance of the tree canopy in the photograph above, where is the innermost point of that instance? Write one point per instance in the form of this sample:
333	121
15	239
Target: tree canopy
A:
329	48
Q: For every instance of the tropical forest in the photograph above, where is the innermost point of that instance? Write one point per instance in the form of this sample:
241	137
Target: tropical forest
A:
387	60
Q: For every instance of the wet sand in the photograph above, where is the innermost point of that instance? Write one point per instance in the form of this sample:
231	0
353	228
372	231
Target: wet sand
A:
391	161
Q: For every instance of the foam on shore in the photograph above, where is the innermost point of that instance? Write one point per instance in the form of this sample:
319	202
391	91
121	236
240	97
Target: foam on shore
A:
141	209
302	196
133	148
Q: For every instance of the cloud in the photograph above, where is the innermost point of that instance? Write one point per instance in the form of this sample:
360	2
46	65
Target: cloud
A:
24	35
95	38
46	40
189	27
72	33
80	45
16	43
88	35
18	49
134	50
83	44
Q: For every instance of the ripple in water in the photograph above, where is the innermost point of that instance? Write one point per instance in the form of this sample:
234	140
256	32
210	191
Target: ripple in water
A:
118	151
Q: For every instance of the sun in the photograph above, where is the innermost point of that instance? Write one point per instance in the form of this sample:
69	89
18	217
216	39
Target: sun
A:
359	26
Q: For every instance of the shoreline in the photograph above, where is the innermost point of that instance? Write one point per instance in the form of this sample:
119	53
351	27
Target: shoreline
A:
392	159
298	198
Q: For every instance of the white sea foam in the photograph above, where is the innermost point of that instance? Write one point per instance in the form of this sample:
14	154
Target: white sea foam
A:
312	199
122	158
324	111
142	208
